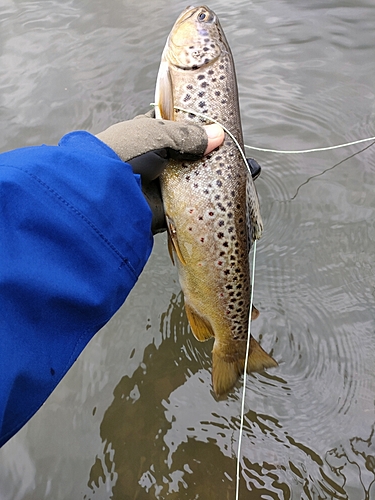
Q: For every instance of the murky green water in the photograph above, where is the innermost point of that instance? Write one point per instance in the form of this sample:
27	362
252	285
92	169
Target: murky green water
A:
135	418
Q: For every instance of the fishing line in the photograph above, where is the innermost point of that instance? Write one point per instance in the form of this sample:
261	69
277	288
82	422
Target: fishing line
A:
251	300
266	150
210	119
328	148
245	374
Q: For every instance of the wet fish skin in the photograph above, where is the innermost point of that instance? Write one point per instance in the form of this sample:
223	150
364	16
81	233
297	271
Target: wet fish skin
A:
211	205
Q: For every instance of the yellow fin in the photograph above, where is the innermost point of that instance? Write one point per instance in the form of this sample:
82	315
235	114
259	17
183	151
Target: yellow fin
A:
173	241
226	373
170	248
254	313
200	327
164	93
258	358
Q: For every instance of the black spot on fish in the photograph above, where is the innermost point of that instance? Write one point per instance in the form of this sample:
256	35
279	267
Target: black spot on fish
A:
222	254
202	104
223	101
204	85
229	287
201	77
240	220
201	93
195	185
191	47
226	272
187	177
220	235
225	244
187	97
219	183
205	49
221	76
189	87
230	215
194	66
200	218
230	229
229	204
221	223
219	172
206	61
206	191
221	66
202	240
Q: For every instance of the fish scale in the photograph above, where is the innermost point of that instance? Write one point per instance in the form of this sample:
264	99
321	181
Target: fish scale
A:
211	205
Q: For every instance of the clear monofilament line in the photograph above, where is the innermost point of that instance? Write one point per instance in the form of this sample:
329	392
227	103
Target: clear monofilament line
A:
245	374
208	118
314	150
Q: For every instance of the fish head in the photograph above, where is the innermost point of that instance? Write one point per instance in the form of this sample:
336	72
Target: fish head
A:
196	39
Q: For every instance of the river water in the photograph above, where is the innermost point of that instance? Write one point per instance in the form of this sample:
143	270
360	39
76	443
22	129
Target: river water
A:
135	418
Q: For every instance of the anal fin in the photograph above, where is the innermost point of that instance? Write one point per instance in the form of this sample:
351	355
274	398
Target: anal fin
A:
200	327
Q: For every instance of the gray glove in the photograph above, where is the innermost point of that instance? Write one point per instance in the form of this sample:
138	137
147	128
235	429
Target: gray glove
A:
147	144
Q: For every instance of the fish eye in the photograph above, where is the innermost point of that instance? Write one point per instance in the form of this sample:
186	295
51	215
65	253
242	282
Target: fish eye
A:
202	16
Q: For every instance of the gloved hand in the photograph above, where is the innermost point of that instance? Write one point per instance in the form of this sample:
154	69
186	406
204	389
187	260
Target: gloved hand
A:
147	144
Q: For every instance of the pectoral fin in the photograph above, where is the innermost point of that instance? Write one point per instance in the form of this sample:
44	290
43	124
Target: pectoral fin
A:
170	249
173	241
200	327
164	93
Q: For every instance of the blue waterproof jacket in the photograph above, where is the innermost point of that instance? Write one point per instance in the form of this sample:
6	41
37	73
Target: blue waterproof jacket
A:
75	233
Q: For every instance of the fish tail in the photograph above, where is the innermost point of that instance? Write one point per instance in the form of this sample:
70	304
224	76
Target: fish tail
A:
227	370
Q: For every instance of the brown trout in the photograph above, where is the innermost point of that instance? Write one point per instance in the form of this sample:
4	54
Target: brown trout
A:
211	205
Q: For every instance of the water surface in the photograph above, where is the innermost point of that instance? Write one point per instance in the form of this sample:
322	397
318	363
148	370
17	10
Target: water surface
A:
135	417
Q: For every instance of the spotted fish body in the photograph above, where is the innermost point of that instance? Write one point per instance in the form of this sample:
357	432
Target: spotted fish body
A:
211	205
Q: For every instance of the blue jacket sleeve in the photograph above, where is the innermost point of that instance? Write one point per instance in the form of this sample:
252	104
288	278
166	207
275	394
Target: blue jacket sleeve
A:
75	235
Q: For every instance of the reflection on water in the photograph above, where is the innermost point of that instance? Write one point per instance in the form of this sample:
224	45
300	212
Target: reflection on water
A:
136	417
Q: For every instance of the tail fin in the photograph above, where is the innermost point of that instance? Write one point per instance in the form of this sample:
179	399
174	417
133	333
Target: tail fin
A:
226	373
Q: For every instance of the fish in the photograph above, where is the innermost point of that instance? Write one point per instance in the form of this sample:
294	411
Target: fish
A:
211	205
